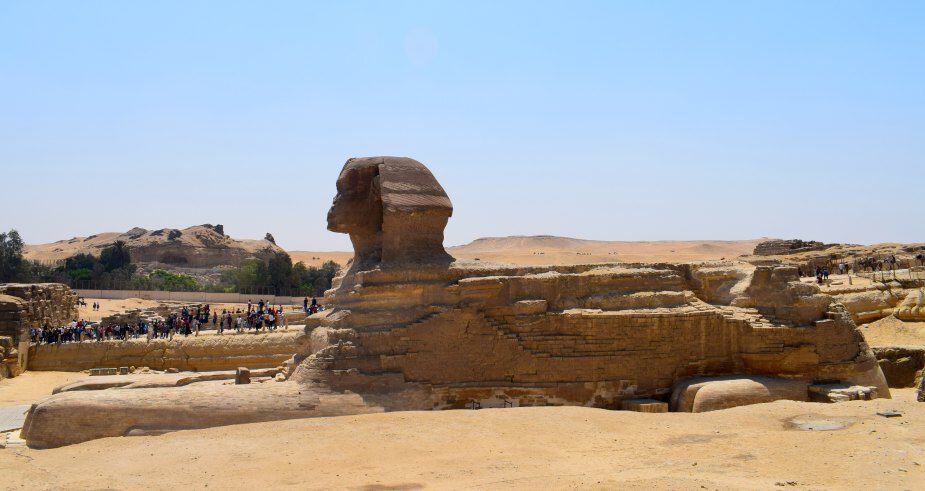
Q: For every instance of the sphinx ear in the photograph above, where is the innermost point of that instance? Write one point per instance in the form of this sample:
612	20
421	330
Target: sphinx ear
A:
375	188
374	198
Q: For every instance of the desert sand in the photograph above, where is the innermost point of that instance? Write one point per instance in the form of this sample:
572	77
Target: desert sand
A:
891	331
542	250
750	447
30	386
317	258
110	307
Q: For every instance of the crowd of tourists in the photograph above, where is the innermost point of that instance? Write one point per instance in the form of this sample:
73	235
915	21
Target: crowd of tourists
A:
259	317
873	263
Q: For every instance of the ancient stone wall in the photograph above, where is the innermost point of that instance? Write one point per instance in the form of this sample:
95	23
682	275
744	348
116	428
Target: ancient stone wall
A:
776	247
184	353
24	306
592	336
903	366
51	304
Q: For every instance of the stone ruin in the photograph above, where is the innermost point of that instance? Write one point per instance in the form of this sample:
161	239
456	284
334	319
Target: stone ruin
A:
412	329
26	306
776	247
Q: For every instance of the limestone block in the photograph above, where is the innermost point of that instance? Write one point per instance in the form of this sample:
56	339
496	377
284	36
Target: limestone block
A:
528	307
712	393
74	417
242	376
644	405
841	392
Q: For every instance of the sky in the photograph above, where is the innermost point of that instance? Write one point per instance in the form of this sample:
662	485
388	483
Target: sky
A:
599	120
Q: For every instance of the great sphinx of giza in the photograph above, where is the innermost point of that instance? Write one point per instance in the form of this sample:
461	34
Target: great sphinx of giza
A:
409	328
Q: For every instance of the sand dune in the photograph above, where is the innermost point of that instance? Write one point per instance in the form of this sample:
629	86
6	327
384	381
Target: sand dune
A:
544	249
750	447
891	331
547	249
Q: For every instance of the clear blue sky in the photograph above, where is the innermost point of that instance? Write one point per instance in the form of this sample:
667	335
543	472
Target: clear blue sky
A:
606	120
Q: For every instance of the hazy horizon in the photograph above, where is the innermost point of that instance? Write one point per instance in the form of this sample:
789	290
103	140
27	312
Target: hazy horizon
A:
602	121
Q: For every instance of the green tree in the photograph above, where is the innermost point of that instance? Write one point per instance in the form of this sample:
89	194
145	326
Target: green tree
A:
115	256
312	280
279	273
12	266
160	279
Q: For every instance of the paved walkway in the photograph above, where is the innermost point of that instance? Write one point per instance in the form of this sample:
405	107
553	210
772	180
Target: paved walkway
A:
12	417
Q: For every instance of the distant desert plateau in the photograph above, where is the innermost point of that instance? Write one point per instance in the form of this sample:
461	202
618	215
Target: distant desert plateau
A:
193	244
546	249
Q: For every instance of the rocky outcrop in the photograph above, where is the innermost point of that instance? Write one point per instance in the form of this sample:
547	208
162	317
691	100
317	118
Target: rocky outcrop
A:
200	246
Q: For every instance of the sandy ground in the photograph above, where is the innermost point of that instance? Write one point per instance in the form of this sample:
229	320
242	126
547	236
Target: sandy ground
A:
31	386
891	331
317	258
753	447
541	250
110	307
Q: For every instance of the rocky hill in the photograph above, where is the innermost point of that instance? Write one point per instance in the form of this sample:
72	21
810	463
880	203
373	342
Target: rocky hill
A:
200	246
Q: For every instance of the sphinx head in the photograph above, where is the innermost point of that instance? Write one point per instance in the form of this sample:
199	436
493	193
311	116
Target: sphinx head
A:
394	210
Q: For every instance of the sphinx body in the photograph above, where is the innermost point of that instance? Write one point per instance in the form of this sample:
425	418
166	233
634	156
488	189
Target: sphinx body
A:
411	329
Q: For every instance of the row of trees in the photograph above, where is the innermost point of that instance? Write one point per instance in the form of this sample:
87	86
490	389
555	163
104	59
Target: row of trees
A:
278	274
113	269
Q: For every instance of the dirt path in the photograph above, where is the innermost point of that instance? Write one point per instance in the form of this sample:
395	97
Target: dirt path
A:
30	386
891	331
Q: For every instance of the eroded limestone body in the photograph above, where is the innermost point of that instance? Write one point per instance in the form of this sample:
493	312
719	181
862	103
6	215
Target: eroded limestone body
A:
411	329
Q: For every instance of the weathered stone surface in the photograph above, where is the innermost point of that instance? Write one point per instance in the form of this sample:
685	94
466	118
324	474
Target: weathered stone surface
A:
777	291
74	417
200	353
53	304
902	365
153	380
242	376
394	210
870	305
25	306
839	392
704	394
912	307
644	406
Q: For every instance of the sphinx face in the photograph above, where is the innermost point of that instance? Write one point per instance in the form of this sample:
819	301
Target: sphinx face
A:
357	207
